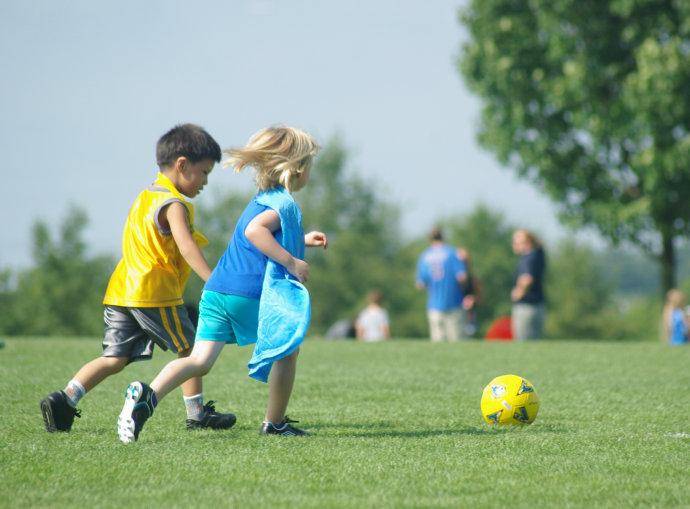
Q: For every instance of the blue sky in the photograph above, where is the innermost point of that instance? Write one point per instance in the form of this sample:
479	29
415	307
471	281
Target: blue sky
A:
88	87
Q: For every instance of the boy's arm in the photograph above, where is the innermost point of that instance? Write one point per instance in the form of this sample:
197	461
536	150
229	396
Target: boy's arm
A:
259	232
176	215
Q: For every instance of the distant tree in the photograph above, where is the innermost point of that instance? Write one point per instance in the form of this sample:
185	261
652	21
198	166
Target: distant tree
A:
62	293
589	100
487	237
579	294
366	248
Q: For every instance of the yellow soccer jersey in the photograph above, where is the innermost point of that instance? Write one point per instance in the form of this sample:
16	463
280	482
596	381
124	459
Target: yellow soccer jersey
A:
152	272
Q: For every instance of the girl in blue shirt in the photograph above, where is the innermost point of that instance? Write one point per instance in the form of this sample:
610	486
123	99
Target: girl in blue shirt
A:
229	307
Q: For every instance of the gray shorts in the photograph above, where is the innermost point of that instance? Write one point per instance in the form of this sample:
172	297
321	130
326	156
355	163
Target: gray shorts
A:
132	332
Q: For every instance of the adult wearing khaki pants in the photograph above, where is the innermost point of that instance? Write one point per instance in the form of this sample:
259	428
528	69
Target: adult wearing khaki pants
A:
528	293
442	273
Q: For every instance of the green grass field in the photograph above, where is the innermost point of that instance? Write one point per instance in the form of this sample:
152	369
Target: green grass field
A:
395	425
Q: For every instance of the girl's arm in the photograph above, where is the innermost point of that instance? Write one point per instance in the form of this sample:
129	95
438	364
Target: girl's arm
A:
176	216
260	231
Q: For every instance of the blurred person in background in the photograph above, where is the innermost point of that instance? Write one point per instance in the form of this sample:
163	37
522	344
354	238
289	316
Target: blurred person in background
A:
372	323
442	274
528	293
676	319
471	291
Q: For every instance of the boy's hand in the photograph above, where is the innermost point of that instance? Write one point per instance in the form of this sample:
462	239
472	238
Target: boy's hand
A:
316	239
299	269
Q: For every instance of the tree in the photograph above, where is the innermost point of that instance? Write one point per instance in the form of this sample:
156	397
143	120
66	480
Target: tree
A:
487	237
62	293
579	294
366	247
588	99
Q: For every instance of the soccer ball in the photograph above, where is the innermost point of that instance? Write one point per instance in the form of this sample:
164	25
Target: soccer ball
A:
509	399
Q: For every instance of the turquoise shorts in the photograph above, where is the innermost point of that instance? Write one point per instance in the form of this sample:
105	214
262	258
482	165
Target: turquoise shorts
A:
227	318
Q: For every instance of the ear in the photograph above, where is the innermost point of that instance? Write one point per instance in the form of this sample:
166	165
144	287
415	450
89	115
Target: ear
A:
181	164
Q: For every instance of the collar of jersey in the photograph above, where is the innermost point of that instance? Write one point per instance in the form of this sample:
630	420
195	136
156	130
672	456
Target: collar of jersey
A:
164	181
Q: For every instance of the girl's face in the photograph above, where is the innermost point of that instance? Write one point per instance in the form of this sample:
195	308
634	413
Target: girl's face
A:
302	179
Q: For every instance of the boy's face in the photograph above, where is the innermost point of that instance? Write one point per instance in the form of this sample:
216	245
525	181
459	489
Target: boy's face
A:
193	176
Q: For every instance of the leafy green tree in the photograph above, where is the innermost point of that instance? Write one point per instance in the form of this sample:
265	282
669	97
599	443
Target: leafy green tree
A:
487	237
589	100
365	252
62	293
579	293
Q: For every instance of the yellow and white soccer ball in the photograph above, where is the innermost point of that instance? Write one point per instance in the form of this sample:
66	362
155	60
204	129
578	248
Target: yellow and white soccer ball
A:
509	399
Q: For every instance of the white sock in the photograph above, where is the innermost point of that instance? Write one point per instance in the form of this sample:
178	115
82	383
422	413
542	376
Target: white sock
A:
74	391
194	406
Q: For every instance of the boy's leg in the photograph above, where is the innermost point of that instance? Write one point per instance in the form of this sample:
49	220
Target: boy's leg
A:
94	372
123	341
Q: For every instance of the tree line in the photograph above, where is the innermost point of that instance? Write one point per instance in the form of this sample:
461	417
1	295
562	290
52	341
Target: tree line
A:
592	294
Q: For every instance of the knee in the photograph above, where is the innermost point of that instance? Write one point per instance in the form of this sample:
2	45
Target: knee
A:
115	364
201	366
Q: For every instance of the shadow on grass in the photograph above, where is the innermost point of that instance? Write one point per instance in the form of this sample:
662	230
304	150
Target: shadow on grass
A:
379	430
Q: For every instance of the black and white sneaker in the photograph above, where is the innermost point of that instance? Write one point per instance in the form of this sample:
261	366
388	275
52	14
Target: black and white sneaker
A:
139	405
58	414
212	419
285	428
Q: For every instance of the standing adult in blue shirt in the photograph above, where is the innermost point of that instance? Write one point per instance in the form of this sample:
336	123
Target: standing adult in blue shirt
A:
442	274
528	293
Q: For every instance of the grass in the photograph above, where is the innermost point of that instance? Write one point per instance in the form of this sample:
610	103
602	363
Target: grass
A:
396	425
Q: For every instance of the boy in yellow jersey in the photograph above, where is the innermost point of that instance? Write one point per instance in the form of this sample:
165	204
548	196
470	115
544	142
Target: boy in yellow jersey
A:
143	301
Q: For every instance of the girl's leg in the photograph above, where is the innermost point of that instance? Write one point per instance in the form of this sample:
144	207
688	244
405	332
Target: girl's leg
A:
280	387
193	386
175	373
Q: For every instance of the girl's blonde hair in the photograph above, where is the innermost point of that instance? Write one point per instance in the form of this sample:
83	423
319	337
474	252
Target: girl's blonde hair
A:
279	155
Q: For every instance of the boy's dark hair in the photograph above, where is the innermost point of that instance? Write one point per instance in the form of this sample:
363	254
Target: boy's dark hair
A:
186	140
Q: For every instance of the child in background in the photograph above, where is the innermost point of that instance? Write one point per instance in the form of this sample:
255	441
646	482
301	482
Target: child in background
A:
143	301
676	320
240	302
372	323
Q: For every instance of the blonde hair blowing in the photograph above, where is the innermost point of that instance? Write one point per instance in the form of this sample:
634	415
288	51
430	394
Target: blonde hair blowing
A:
279	155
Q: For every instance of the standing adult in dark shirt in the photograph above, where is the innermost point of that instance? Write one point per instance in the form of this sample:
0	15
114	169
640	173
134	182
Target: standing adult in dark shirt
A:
528	293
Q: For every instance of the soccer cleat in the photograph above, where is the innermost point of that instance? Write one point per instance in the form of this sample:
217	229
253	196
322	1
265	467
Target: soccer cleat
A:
138	407
212	419
58	414
284	428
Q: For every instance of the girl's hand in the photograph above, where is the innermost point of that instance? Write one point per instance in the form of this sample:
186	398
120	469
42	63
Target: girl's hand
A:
316	239
299	269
